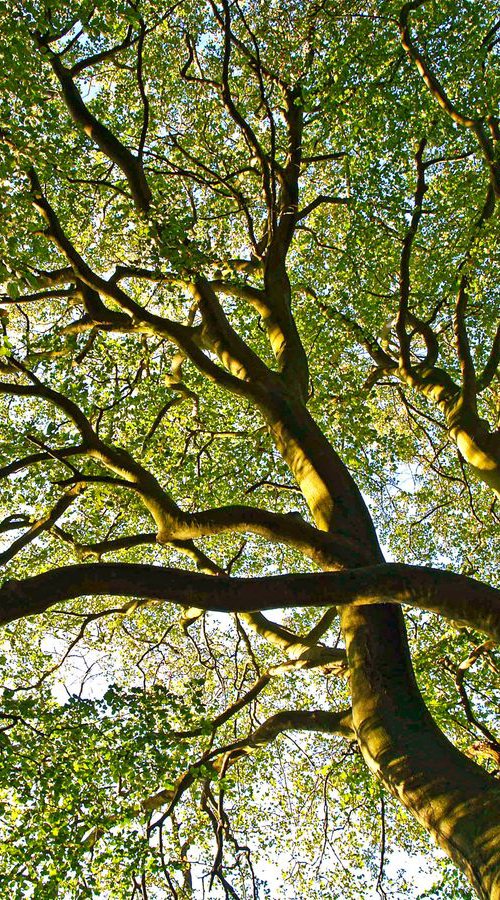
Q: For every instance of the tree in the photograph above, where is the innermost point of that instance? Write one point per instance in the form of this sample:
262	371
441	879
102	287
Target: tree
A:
242	241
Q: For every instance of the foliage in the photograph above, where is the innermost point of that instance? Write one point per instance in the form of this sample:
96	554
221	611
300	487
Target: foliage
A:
208	207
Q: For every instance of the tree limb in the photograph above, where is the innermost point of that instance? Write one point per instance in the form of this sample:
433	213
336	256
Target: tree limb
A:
107	142
445	593
477	124
463	347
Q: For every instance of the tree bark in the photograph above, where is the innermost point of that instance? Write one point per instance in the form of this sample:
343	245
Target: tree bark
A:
456	596
454	800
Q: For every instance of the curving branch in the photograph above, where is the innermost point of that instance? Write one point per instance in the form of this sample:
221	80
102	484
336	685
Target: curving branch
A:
323	198
479	447
316	720
44	523
327	550
304	649
469	383
491	368
108	143
173	525
324	721
255	296
222	339
38	295
476	124
131	474
33	459
445	593
247	131
429	337
96	58
384	362
404	270
111	545
140	320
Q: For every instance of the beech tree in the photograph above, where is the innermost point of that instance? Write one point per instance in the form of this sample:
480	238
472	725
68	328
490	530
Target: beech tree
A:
249	362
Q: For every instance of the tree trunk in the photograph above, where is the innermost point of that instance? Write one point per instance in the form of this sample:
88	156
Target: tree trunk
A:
453	798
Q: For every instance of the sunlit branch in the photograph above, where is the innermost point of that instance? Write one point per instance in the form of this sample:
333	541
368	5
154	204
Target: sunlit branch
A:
173	524
319	201
140	319
476	124
385	362
107	142
491	368
296	647
317	720
429	337
33	459
110	545
404	272
463	347
255	296
44	523
38	295
236	355
221	758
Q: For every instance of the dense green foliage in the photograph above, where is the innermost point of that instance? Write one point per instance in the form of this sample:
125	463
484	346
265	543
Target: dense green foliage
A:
105	702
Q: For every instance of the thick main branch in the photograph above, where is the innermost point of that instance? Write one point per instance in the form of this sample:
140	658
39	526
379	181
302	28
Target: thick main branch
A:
446	593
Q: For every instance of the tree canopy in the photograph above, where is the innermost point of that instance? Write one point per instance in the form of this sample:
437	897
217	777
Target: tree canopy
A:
250	450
